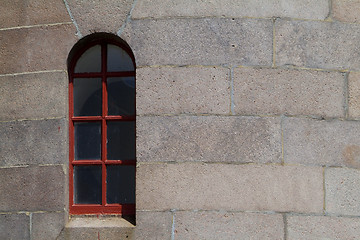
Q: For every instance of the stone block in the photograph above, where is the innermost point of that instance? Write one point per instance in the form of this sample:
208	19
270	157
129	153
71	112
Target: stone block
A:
196	186
313	9
153	225
32	189
100	16
208	41
33	142
36	48
342	191
354	95
293	92
322	227
15	13
316	44
209	139
346	10
228	225
47	225
39	95
14	226
319	142
163	90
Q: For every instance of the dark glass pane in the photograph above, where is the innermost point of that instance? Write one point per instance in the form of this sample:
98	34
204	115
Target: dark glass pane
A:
120	180
87	184
121	96
87	97
118	60
87	140
90	60
121	140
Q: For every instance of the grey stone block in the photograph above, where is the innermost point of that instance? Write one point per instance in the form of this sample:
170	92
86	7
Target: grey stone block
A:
201	41
195	186
327	45
39	95
228	225
47	225
153	225
32	188
33	142
319	142
354	95
14	226
209	139
346	10
342	191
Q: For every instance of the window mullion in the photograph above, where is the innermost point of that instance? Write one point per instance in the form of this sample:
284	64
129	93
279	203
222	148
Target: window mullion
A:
104	113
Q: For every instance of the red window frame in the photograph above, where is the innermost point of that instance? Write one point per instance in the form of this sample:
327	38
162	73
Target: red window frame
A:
104	208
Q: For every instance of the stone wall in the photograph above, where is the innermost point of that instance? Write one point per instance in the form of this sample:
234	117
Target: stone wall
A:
247	118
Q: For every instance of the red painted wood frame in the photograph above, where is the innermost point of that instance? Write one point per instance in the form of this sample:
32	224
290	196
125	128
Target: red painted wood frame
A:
104	208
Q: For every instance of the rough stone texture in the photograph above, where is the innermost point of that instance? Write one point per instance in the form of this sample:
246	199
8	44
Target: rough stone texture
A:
183	90
314	142
321	227
186	186
342	191
14	226
294	92
354	95
33	142
346	10
32	188
313	9
330	45
209	139
223	225
100	16
40	95
201	41
31	12
47	226
153	225
36	48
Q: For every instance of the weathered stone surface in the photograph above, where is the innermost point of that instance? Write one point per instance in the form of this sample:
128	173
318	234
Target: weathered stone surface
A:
342	191
39	95
26	13
14	226
314	142
224	225
47	225
313	9
153	225
346	10
322	227
186	186
33	142
164	90
329	45
100	16
36	48
294	92
354	95
209	139
201	41
32	188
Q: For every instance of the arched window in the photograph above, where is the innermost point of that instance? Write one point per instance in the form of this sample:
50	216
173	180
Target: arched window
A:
102	126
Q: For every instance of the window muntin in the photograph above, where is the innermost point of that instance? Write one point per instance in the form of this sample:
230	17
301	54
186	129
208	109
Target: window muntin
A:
102	130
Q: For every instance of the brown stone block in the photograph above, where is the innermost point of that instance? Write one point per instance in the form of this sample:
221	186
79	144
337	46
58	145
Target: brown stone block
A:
228	225
47	225
346	10
15	13
354	95
33	142
32	188
14	226
36	48
192	186
209	139
173	90
39	95
153	225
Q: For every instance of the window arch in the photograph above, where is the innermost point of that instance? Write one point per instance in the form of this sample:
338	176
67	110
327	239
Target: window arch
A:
102	126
